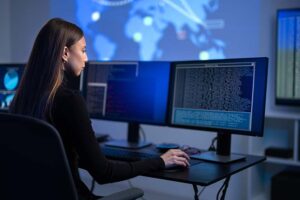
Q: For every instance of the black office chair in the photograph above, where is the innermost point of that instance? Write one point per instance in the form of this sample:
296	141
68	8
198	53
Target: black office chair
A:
33	163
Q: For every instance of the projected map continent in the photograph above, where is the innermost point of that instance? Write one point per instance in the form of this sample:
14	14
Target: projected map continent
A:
150	29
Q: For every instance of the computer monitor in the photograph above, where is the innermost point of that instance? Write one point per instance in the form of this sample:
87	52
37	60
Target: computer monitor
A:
132	92
226	96
288	57
10	76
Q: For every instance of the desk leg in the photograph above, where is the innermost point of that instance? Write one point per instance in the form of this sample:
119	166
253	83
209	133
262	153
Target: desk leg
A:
196	192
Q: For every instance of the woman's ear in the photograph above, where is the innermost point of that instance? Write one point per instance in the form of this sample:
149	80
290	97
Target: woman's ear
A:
66	55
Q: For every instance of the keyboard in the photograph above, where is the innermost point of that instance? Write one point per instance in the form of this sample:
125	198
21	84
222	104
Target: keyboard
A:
126	155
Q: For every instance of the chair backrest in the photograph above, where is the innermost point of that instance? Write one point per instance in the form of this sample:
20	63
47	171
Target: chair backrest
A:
33	163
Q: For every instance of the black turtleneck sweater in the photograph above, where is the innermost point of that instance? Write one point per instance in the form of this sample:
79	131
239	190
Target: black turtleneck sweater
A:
71	119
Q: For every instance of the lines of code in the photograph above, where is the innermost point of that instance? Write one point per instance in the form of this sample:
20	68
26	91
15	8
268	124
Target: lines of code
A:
100	79
217	88
128	91
216	96
96	99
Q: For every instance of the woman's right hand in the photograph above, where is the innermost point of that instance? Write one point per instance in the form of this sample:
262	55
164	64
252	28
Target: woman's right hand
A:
175	157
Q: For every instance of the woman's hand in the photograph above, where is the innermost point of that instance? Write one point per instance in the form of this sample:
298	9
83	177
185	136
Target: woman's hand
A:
175	157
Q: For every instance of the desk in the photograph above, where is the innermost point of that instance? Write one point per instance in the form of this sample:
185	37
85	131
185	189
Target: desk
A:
204	173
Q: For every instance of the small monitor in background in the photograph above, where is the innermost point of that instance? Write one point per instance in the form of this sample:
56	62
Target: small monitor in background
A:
288	57
225	96
10	77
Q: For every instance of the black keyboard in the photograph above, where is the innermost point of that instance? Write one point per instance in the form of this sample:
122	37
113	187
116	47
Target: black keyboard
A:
126	155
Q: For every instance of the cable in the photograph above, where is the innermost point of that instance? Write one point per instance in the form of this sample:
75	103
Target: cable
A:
220	191
212	146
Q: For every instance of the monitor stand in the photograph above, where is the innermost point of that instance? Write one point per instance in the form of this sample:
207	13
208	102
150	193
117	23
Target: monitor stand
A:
222	155
132	142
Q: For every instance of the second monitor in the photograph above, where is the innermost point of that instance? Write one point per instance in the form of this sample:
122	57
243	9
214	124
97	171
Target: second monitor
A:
133	92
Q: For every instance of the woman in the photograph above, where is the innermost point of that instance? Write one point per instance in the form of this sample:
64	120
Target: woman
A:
57	58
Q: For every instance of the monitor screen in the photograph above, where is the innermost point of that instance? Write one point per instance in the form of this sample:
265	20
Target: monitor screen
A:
288	57
226	95
127	91
10	76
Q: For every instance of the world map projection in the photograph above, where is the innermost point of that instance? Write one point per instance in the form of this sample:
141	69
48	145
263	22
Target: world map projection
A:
150	29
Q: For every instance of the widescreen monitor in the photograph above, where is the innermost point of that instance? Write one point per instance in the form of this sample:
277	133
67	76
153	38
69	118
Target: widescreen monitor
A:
225	96
10	76
288	57
132	92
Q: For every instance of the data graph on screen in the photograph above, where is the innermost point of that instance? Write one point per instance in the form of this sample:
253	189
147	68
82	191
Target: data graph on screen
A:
10	76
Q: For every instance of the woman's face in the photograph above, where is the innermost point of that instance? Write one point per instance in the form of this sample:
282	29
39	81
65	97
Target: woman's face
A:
77	57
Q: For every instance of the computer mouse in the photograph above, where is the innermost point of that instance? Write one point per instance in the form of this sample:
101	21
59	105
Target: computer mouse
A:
166	146
190	150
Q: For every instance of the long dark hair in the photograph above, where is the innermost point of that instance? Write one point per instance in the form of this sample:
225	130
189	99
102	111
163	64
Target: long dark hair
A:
44	70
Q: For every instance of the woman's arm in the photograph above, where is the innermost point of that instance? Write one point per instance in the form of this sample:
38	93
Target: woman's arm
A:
74	118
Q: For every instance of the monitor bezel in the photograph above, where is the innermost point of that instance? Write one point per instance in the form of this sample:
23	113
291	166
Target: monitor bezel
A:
280	100
231	131
18	64
83	84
